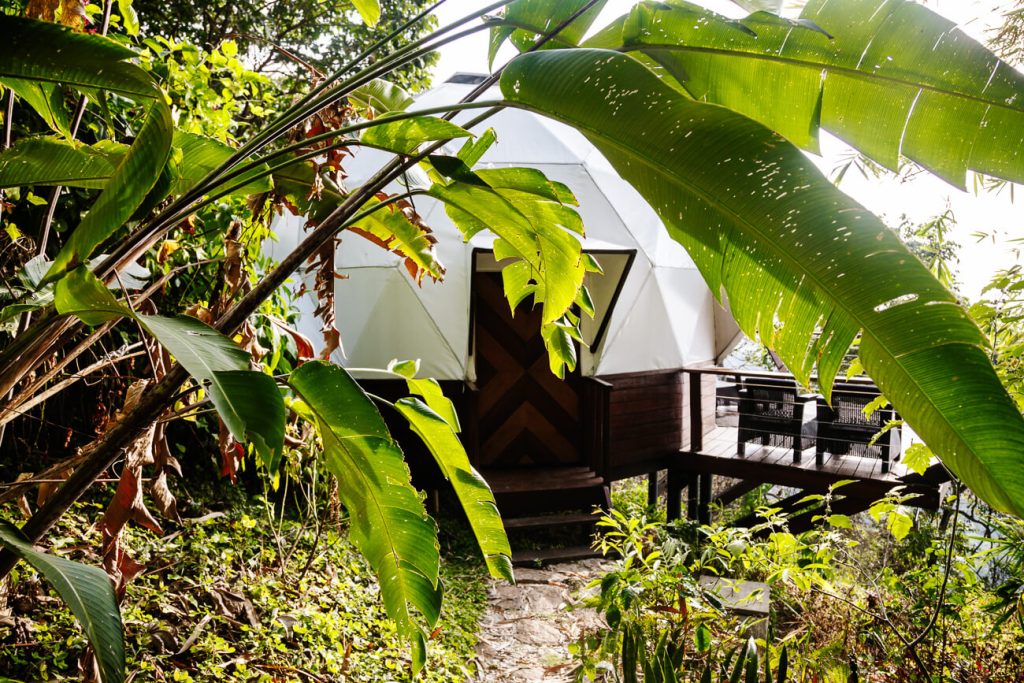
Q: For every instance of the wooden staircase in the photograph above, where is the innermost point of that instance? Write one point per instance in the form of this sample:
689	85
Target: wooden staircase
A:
548	511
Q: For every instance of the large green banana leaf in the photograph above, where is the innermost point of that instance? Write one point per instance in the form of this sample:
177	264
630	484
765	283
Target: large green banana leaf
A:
890	77
43	52
387	520
803	265
54	161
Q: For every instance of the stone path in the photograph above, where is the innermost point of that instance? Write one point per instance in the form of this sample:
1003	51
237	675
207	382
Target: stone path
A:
526	631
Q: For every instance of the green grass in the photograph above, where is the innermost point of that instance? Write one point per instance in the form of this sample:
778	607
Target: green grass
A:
315	609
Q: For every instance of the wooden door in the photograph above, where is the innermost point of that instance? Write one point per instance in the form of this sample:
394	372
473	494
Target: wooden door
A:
526	415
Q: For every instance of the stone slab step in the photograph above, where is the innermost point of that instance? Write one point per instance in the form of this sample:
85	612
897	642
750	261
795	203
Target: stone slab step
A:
554	520
541	479
530	558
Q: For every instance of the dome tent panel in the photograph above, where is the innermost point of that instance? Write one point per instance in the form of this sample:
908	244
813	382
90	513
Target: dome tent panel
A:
692	317
381	318
641	338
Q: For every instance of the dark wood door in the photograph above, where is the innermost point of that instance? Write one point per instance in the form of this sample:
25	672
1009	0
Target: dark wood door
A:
526	415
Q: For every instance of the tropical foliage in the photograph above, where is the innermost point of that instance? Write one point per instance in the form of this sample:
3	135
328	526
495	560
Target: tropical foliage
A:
891	595
242	589
704	116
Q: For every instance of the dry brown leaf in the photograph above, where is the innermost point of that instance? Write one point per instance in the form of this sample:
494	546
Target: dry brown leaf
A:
73	14
42	9
303	346
167	248
248	340
200	313
231	453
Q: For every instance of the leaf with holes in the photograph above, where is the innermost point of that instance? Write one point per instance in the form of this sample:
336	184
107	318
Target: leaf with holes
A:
803	265
891	77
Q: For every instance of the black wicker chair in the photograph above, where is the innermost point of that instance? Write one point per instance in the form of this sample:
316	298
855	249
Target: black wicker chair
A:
771	410
843	427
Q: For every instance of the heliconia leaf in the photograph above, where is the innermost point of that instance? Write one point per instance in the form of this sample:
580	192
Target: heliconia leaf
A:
50	53
248	402
388	522
54	161
46	99
430	391
136	175
200	155
804	266
891	77
252	408
44	52
80	293
40	51
369	10
89	594
524	21
404	136
472	491
380	97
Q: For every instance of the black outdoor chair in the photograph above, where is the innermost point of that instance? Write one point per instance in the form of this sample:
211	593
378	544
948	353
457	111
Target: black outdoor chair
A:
843	428
771	410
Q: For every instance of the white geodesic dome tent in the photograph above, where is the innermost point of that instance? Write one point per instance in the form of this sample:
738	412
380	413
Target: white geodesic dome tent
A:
654	310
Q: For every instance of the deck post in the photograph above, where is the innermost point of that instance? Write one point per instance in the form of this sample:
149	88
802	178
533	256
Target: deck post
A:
673	494
652	488
696	413
691	496
704	498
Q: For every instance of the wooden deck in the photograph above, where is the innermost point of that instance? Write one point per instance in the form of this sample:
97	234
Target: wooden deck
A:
720	445
717	456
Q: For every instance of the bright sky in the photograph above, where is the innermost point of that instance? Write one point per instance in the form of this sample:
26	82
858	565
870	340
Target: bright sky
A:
920	198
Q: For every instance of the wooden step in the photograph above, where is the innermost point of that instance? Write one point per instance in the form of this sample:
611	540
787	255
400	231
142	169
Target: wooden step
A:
529	558
541	479
553	520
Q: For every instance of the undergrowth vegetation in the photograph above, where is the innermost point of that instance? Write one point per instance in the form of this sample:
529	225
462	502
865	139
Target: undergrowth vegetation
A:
237	592
888	595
